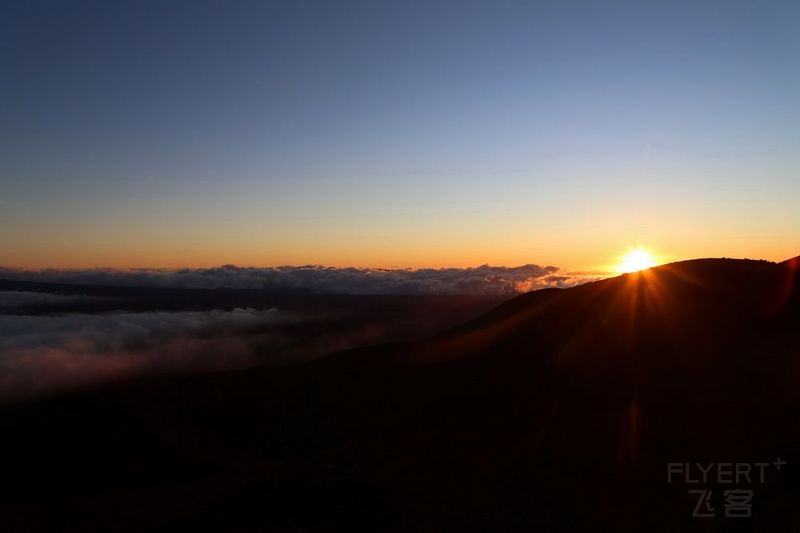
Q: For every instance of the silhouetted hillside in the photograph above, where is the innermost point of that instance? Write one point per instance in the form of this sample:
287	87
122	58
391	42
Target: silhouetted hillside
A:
557	411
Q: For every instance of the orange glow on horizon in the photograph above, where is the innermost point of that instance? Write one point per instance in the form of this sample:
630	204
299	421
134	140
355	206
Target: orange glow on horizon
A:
589	256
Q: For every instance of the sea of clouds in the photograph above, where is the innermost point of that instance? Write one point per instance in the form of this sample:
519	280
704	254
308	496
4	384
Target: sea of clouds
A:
480	280
41	353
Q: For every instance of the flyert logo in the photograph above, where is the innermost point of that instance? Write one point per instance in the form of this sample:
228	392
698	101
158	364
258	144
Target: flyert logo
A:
737	502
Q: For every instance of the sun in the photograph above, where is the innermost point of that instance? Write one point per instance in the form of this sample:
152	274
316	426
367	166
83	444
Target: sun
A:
635	260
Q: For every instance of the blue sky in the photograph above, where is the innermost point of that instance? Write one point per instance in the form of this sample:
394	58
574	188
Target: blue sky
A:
396	133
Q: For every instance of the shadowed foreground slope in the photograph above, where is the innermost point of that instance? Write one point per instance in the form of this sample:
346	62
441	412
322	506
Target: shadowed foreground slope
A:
557	411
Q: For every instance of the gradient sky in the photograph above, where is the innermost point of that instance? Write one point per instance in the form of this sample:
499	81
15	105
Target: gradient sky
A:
166	134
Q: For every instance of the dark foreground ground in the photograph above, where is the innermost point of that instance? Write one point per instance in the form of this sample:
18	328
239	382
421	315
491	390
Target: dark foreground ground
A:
559	410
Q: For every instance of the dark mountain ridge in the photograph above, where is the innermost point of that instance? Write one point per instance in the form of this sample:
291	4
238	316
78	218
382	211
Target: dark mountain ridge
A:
557	411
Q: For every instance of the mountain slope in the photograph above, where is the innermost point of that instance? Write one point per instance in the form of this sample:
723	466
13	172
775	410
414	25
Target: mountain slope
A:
558	410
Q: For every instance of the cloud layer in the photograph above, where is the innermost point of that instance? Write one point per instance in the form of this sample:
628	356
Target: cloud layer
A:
45	352
48	341
41	353
481	280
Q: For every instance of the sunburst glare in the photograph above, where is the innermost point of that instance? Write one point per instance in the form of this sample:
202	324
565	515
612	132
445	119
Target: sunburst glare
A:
635	260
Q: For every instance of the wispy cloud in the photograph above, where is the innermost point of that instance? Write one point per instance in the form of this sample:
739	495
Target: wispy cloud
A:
11	300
